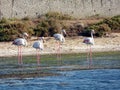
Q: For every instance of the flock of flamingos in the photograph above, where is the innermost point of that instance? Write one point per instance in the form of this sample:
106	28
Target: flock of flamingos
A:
39	45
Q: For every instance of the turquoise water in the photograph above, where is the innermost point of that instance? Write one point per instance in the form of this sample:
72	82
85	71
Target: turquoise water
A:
98	79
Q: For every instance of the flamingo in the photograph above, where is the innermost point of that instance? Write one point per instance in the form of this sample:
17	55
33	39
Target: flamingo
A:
25	35
89	41
20	42
38	45
59	37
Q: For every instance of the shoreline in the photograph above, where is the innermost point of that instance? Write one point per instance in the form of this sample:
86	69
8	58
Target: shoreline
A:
72	45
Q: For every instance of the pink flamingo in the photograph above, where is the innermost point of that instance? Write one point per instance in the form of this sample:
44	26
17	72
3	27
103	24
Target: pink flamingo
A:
89	41
59	39
20	42
38	45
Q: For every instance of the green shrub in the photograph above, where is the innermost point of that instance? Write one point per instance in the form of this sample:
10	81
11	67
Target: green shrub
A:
103	30
14	19
113	23
47	27
59	16
41	29
106	26
4	20
26	18
11	31
55	26
100	30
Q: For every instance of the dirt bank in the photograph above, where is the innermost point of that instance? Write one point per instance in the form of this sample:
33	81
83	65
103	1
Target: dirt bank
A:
72	45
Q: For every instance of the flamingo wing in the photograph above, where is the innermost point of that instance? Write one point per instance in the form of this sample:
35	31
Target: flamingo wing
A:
59	37
20	41
88	41
38	45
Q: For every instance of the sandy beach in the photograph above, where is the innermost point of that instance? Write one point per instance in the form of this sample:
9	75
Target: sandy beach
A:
72	45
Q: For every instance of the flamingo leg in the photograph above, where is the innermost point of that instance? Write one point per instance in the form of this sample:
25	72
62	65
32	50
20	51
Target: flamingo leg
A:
18	54
36	54
38	57
21	55
60	52
90	62
57	50
88	56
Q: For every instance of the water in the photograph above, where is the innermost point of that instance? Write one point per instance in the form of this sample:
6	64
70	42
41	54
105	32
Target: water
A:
69	74
98	79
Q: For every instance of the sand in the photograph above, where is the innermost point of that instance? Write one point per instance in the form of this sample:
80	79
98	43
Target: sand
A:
72	45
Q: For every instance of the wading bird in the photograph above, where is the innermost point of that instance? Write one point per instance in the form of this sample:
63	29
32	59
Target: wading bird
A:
19	42
38	45
59	39
89	41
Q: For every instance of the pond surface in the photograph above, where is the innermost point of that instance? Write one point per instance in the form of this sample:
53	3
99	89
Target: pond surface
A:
98	79
69	73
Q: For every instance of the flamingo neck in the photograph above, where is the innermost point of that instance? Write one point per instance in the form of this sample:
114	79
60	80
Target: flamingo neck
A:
61	33
92	38
23	37
91	35
40	41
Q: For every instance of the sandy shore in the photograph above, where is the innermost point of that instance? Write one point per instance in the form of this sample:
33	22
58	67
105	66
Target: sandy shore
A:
72	45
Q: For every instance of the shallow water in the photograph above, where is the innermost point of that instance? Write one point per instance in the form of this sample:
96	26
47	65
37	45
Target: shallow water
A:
98	79
104	73
99	60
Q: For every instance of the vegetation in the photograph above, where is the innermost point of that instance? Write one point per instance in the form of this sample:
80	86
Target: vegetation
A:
105	27
59	16
9	30
47	27
51	23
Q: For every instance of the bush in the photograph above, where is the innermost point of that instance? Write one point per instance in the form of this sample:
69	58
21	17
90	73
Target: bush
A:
47	27
10	31
105	27
113	23
59	16
100	30
103	30
3	20
26	18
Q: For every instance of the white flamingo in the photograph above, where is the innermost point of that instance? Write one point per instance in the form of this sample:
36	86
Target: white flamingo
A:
38	45
59	39
89	41
25	35
19	42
